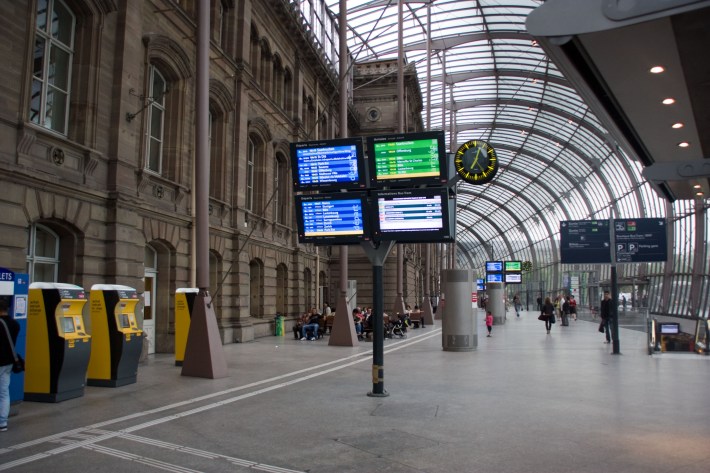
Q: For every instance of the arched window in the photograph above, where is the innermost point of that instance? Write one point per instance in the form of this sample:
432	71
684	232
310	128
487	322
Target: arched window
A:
215	278
52	65
251	163
287	103
308	288
282	193
256	288
265	66
277	81
216	127
42	254
155	120
282	289
255	51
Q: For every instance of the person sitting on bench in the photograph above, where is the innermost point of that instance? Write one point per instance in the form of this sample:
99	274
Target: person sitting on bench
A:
312	325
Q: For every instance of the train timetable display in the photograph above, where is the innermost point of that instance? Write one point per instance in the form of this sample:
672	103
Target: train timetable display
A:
410	213
585	241
412	158
331	218
328	165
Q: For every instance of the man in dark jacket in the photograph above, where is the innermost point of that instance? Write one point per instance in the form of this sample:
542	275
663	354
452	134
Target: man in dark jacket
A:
605	313
6	360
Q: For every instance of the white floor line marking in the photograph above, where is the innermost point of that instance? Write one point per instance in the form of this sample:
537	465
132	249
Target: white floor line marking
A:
83	443
135	415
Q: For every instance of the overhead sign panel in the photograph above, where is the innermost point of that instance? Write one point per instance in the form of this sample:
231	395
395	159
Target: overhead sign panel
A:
641	240
585	242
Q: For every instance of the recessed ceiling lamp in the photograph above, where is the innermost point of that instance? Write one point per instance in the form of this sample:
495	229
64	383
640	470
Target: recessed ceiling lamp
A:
683	144
697	186
677	125
668	101
656	69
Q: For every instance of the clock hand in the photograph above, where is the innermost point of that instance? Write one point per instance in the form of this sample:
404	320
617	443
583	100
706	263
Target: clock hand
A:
475	160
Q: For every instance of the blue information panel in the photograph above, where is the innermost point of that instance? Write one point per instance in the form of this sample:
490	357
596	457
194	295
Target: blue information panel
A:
641	240
332	217
494	266
585	241
494	277
327	165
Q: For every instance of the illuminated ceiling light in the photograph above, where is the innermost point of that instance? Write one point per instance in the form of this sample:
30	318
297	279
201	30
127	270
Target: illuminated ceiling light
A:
699	194
534	42
677	125
656	69
668	101
683	144
697	186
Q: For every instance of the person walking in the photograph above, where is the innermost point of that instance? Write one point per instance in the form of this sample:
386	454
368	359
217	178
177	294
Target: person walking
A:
489	322
516	303
6	360
548	314
605	314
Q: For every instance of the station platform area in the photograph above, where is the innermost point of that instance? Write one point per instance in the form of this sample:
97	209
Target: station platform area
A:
524	401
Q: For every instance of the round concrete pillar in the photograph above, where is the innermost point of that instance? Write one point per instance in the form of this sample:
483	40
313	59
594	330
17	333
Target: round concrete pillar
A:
459	330
496	301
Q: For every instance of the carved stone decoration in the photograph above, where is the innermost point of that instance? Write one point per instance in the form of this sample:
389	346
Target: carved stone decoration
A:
158	192
90	164
373	114
57	155
25	142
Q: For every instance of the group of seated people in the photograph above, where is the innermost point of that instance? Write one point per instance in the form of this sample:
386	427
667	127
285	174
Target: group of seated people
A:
311	325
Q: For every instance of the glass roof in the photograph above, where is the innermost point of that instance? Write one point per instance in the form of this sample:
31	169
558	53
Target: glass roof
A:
491	81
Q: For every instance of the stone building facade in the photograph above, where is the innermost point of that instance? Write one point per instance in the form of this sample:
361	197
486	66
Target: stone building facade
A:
97	125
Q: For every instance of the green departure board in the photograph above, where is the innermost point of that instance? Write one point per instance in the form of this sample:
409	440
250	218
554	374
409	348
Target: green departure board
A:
412	158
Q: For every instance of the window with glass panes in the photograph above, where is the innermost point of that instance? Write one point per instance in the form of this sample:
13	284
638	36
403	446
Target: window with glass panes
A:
51	66
155	116
42	254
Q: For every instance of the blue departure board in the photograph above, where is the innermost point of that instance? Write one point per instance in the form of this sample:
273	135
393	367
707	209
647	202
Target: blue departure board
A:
328	165
494	266
494	277
332	218
340	217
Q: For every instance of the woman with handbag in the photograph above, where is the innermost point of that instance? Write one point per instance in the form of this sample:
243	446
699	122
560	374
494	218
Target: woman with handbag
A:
547	314
9	329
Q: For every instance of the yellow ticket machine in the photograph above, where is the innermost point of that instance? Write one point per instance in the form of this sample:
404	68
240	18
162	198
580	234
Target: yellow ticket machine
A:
184	302
117	341
58	344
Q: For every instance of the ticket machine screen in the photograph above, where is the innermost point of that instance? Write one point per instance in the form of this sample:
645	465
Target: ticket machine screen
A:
68	324
125	322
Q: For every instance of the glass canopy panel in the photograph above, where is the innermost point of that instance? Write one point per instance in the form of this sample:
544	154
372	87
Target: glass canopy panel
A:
554	154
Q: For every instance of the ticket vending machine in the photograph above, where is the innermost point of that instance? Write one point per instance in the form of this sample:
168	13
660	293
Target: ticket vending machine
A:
184	302
13	288
58	343
116	339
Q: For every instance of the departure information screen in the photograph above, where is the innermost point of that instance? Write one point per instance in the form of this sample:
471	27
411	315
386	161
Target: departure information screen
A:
410	213
494	277
585	241
494	266
327	165
408	158
332	217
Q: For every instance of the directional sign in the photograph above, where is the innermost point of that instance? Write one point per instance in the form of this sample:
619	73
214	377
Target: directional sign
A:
585	241
641	240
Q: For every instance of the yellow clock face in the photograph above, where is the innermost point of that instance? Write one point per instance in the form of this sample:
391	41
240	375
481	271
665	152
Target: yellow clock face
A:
476	162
